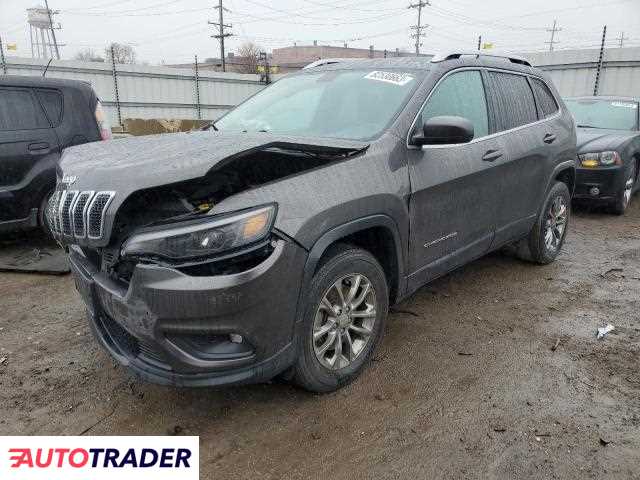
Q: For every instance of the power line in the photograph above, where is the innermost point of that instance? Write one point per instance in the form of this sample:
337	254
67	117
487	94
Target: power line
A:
567	9
77	11
419	27
222	33
553	31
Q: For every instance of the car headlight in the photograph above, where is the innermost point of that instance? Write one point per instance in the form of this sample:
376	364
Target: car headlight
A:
197	239
597	159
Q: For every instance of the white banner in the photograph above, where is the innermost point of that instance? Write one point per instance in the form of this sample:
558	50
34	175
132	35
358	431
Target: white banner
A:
99	458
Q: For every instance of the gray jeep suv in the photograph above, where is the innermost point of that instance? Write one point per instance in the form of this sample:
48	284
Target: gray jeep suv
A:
275	242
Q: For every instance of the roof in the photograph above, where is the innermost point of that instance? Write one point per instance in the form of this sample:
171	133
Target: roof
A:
459	59
33	81
605	97
412	63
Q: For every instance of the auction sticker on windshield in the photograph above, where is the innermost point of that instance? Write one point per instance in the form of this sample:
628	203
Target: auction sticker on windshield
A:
396	78
624	104
99	458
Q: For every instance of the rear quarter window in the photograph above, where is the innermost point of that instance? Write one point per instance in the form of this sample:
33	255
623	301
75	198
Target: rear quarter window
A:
19	110
511	101
52	102
546	101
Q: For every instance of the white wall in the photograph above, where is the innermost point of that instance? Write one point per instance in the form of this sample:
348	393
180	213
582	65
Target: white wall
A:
150	92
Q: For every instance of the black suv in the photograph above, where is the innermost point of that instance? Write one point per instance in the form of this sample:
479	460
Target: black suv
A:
608	149
39	117
275	242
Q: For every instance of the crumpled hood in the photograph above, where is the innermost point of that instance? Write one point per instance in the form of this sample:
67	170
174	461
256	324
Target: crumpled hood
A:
119	168
137	163
599	140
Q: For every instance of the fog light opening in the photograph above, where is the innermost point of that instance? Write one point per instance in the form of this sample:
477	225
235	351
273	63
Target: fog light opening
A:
594	191
235	338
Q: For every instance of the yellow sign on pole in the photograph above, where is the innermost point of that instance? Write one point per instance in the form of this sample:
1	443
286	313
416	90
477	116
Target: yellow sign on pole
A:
12	47
487	46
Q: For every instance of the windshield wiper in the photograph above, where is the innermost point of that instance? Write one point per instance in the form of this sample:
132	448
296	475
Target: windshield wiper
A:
209	126
586	126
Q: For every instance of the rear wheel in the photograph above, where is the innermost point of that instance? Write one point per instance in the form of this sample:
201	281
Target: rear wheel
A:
547	236
344	320
623	198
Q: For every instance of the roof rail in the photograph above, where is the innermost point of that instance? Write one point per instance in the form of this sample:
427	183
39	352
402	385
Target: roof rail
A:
457	54
324	61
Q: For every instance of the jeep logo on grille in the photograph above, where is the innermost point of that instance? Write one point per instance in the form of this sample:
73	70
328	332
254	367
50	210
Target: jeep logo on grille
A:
69	180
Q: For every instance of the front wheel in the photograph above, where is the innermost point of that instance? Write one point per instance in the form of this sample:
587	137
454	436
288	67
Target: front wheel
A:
345	312
545	241
623	198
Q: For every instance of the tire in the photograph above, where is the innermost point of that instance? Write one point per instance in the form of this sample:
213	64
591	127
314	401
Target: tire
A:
623	198
538	247
43	224
343	265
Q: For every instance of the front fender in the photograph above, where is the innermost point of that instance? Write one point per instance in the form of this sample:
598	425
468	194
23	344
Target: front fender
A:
335	234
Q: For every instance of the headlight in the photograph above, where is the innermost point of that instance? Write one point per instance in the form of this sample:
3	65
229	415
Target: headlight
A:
597	159
191	240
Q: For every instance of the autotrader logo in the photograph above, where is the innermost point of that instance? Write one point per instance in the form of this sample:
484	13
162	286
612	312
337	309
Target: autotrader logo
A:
70	458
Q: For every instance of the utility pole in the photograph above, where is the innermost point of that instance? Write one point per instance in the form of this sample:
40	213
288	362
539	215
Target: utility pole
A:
621	39
222	34
419	27
53	30
600	61
479	42
553	31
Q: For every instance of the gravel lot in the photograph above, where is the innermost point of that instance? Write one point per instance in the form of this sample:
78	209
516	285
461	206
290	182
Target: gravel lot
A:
465	385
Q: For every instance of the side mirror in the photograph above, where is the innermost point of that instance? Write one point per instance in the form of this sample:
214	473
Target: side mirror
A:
445	130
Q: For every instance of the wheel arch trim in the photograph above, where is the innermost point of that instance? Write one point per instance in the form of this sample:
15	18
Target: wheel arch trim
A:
561	167
335	234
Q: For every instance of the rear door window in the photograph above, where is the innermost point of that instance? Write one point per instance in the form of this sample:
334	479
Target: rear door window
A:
511	101
51	101
19	110
462	95
546	101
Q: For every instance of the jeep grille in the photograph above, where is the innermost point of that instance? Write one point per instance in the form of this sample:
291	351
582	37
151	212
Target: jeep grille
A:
75	214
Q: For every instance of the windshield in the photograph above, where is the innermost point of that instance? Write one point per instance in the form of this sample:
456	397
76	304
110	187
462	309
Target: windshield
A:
601	113
348	104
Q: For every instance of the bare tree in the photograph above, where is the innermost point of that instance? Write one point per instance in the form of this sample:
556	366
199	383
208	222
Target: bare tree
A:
88	55
249	54
121	53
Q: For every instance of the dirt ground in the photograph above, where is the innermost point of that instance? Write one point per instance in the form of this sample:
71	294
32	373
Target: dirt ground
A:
465	385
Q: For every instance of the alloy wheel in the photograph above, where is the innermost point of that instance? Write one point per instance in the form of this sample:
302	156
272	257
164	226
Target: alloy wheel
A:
555	224
344	321
628	188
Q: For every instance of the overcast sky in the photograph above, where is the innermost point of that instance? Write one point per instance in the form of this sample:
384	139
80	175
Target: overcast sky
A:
174	31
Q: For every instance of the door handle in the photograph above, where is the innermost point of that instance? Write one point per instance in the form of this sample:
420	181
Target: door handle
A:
42	147
492	155
549	138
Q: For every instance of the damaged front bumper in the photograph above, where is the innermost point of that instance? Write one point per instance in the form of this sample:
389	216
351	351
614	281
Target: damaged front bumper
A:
175	329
